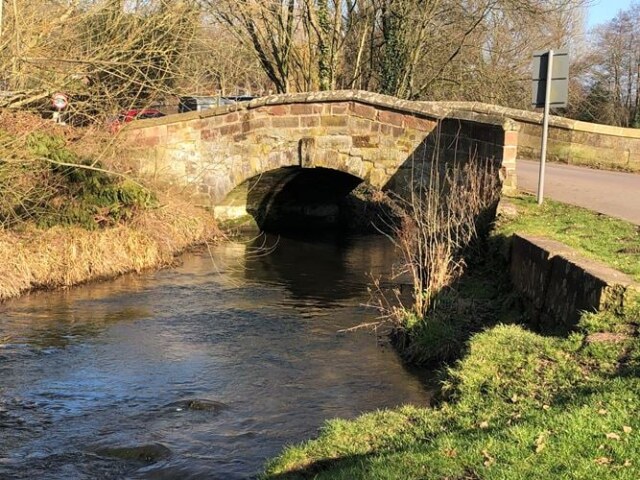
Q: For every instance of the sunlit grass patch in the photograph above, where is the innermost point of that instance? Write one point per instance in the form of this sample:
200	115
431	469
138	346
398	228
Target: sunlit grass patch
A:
518	406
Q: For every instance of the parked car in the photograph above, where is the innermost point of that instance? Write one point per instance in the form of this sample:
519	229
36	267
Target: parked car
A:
134	114
240	98
199	103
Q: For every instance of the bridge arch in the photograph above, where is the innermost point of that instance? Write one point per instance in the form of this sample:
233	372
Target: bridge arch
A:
292	198
372	137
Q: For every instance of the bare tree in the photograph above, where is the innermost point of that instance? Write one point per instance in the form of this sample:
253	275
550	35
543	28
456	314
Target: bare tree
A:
268	26
614	78
106	55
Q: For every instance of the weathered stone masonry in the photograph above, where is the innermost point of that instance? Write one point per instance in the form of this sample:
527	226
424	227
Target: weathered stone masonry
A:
570	141
557	283
376	138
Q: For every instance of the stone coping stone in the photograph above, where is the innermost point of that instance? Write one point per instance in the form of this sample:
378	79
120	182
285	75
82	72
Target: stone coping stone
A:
377	100
535	118
473	111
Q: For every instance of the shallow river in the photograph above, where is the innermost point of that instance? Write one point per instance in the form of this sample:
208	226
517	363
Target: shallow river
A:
214	365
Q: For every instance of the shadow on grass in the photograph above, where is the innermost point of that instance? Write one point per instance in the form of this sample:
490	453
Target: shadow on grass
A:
319	466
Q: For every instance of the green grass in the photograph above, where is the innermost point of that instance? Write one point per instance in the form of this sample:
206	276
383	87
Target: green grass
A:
479	298
609	240
518	406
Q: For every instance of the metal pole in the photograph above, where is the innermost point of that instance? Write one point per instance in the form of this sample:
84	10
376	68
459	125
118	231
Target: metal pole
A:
1	5
545	127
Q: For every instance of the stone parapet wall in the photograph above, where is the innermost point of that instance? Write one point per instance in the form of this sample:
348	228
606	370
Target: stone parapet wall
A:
570	141
558	284
376	138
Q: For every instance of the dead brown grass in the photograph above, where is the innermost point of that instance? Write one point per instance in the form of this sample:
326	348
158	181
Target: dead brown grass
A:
64	256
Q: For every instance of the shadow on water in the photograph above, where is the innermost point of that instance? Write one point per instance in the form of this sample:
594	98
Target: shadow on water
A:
327	268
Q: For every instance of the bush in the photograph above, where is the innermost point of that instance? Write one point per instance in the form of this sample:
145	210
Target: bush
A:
50	185
435	339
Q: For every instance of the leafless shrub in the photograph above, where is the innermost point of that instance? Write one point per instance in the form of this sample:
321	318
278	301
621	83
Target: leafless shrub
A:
444	214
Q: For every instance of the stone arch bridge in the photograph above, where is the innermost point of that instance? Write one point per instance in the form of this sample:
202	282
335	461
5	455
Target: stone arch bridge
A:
243	157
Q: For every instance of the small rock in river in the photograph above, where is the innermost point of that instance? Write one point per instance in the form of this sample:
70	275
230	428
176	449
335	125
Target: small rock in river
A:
198	404
144	453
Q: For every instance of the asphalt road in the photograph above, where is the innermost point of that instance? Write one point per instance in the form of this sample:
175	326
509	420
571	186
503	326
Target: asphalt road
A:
613	193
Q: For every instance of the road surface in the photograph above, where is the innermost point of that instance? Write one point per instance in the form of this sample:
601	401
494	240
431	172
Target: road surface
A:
612	193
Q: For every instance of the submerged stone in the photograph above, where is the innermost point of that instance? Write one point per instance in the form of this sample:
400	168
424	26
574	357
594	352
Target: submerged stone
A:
199	405
150	453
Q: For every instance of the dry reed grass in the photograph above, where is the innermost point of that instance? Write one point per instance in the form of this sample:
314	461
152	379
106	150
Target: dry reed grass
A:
442	219
64	256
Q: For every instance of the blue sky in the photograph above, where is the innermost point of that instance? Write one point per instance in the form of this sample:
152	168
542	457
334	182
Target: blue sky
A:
604	10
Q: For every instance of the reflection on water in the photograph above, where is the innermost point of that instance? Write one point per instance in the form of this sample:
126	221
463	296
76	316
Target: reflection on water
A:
207	369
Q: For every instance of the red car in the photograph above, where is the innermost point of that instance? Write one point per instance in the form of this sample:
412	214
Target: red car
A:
135	114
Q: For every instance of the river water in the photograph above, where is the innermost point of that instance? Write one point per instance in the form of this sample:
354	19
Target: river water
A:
213	366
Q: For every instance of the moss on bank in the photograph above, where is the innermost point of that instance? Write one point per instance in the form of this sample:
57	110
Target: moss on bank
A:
44	181
65	218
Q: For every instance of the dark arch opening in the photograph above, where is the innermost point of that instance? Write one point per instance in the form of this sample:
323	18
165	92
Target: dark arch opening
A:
295	199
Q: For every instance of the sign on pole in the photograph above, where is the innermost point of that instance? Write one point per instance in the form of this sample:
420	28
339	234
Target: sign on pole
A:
59	101
550	88
559	78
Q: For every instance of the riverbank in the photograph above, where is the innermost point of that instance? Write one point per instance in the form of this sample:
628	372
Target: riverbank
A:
518	403
61	256
73	211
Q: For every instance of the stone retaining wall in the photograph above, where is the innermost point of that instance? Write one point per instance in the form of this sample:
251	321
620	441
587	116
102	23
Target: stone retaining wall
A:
557	283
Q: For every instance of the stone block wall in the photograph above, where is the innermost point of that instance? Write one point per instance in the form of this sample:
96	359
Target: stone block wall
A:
581	143
570	141
376	138
557	283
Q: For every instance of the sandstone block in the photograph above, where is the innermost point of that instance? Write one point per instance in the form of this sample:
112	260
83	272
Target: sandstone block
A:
511	138
334	142
392	118
418	123
278	110
341	108
355	166
365	111
306	109
334	120
310	121
232	129
285	122
366	141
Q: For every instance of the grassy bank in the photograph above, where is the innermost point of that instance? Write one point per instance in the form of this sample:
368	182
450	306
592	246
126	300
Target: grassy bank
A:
71	214
61	256
606	239
518	404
